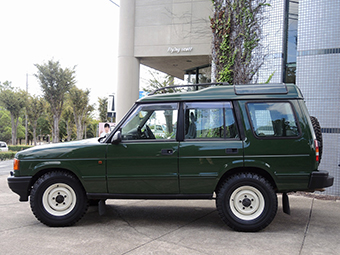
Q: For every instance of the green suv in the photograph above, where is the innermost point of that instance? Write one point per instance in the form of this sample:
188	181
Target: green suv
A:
239	145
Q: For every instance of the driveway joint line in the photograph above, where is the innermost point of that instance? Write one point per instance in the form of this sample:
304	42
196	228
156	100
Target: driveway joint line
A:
307	227
157	238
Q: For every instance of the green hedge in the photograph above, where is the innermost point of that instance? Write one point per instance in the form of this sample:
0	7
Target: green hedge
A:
7	155
18	147
12	150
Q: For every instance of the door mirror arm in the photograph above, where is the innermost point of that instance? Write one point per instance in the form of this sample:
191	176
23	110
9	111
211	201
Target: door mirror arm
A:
117	138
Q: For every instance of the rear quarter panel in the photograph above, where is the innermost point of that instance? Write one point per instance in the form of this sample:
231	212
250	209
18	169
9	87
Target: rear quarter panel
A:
288	160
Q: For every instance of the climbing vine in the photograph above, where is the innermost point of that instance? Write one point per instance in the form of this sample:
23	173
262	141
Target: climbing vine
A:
237	31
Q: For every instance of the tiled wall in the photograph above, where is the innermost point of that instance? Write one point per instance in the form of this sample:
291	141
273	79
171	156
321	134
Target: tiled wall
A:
273	31
318	75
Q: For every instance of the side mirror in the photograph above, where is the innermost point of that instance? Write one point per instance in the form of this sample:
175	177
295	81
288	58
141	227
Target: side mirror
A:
117	138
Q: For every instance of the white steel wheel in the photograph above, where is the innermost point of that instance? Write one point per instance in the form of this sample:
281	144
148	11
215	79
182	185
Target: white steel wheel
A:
59	199
247	203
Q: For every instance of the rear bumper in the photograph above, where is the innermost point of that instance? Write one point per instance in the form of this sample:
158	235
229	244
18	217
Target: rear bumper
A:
320	179
20	185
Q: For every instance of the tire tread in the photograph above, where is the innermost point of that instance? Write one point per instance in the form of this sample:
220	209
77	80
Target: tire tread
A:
223	189
37	211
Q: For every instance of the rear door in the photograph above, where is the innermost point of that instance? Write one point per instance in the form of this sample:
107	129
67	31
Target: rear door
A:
211	146
276	143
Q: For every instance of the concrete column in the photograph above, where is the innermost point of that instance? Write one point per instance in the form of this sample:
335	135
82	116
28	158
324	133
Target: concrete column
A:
128	66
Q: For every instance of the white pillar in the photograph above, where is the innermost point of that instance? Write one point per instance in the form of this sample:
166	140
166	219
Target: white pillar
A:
128	65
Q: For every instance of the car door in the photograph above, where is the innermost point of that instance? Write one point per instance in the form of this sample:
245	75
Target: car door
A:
276	142
211	146
144	162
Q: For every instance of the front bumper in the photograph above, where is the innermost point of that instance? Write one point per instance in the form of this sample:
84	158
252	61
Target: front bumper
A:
20	185
320	180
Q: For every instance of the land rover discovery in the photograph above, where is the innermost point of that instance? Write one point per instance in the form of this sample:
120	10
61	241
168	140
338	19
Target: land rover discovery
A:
239	145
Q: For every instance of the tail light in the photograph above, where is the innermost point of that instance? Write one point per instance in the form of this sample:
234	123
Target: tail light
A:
16	164
317	151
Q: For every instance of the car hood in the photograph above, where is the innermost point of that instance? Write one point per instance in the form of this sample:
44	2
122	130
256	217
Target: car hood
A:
68	150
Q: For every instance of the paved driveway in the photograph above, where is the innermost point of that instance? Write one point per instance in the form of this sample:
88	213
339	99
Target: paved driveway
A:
6	166
169	227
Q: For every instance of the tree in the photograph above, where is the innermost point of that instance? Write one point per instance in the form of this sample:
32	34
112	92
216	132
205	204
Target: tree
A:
237	32
5	126
87	118
35	107
79	100
44	126
102	108
155	84
92	128
68	118
14	101
55	82
21	134
6	85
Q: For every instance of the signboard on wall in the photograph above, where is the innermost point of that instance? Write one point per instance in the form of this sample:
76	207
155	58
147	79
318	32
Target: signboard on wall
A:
101	127
178	50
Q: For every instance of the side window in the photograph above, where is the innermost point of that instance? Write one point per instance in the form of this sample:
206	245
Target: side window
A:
213	120
151	121
273	119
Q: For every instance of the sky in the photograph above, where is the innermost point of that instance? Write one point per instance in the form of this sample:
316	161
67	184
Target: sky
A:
81	33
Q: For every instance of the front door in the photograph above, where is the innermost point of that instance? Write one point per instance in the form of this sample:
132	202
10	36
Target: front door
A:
145	162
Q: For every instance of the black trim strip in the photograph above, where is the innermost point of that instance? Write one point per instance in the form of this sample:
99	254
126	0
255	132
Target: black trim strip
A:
318	52
180	123
238	119
330	130
148	196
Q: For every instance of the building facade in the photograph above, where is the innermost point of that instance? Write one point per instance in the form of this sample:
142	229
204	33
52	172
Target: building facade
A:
318	75
302	42
172	36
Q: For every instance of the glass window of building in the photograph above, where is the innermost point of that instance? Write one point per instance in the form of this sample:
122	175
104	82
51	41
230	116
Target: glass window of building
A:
291	50
198	75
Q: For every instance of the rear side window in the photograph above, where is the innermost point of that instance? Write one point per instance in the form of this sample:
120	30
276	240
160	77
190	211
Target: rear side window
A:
275	119
213	120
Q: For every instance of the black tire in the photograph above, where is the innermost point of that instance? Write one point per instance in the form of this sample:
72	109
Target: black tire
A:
58	199
318	134
246	202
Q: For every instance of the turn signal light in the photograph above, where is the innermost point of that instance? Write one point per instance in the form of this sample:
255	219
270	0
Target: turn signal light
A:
16	164
317	151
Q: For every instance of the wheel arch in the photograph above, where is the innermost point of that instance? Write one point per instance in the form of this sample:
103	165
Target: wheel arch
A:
254	170
47	170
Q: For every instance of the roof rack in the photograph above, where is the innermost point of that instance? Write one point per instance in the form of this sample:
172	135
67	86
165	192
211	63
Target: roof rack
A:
261	89
242	89
189	85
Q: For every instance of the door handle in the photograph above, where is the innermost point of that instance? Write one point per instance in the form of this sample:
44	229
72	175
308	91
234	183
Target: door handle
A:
167	152
231	150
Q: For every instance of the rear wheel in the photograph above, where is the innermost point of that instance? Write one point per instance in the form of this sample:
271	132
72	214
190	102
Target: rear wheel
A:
246	202
58	199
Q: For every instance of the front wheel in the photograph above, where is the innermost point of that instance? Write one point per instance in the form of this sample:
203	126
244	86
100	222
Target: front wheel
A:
246	202
58	199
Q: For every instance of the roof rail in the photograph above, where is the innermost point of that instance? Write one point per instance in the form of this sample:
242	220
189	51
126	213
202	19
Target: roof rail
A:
189	85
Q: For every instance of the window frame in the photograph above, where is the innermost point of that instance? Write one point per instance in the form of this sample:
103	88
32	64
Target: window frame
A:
129	115
273	137
232	107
